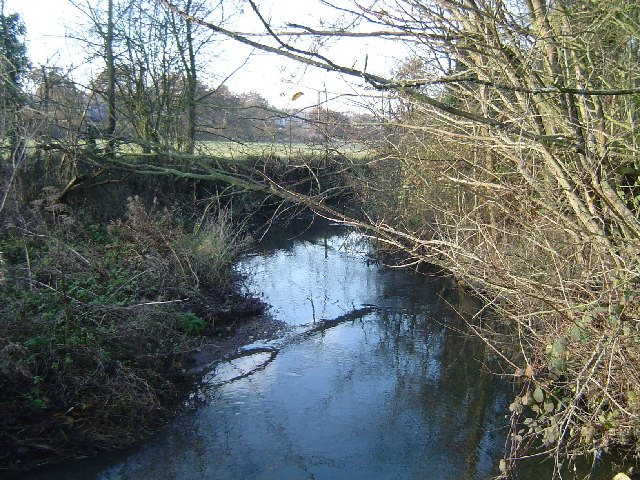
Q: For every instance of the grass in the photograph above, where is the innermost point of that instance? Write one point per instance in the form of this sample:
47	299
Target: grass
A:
235	150
244	150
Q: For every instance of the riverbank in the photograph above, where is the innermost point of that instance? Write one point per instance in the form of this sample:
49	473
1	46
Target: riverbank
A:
565	311
103	325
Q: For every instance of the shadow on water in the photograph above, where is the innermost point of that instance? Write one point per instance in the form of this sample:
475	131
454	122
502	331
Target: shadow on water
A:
373	379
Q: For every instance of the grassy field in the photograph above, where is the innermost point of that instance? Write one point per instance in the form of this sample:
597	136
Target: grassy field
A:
237	150
240	151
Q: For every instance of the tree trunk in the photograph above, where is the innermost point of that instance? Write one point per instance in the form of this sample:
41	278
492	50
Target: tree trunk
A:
111	82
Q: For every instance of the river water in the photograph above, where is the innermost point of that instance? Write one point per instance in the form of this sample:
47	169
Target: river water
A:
373	377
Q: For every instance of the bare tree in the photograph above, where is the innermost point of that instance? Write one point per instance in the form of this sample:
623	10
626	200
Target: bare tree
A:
111	79
515	150
152	62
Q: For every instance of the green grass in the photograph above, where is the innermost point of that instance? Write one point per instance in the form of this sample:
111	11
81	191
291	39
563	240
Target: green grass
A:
229	149
246	150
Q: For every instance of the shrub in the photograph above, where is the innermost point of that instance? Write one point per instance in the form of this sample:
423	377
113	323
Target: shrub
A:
213	247
92	336
190	323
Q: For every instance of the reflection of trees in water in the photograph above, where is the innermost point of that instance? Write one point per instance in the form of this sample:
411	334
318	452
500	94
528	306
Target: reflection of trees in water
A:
286	232
441	373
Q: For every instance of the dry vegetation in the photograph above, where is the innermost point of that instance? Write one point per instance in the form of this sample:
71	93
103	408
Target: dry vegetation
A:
98	320
517	173
510	158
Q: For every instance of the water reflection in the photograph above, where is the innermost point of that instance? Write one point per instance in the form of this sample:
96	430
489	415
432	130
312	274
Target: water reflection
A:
314	278
373	380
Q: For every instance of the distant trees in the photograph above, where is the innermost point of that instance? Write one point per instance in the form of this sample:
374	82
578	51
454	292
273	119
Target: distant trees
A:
224	115
59	105
152	62
151	89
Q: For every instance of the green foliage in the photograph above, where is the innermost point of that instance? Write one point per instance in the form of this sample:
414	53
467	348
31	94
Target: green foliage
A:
89	326
190	323
98	233
14	63
286	152
33	399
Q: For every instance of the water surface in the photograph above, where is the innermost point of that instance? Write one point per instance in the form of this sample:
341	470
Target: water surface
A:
372	379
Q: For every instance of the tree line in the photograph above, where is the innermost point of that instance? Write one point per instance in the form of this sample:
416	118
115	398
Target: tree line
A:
150	89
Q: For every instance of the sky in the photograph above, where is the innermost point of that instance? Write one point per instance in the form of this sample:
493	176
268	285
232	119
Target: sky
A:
49	21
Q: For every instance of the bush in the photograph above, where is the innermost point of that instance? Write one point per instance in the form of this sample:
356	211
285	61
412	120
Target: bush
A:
190	323
213	248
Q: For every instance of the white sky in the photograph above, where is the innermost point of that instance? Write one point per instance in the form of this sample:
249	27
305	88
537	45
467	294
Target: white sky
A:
275	78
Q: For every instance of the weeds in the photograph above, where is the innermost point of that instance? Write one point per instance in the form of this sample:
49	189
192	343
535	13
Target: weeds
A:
95	326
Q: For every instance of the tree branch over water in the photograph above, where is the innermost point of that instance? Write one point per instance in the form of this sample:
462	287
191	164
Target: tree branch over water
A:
376	81
514	148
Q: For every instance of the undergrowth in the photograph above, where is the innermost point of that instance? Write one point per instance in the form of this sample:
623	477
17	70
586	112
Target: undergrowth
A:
96	322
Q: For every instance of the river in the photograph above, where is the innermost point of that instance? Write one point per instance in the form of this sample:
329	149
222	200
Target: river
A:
373	377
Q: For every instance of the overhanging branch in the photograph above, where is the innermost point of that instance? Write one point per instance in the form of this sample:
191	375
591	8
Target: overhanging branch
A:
513	88
376	81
